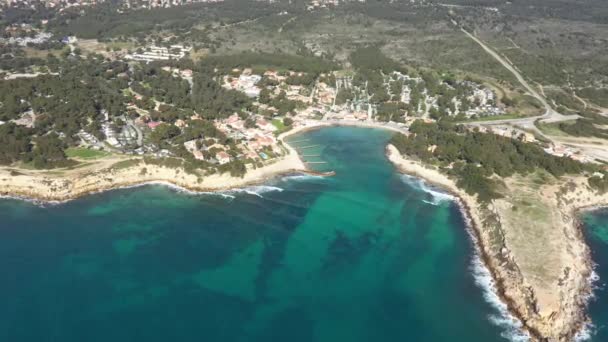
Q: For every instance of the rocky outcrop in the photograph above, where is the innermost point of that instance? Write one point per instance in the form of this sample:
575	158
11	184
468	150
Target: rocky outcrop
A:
533	245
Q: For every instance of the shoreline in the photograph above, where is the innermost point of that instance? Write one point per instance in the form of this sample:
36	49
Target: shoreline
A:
43	187
168	184
292	163
468	206
442	182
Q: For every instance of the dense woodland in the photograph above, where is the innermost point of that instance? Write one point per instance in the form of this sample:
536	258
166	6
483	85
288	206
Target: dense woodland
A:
474	158
79	93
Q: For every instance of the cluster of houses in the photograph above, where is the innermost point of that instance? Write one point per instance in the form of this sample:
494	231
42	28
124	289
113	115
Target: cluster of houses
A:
315	4
162	3
159	53
183	73
570	152
255	137
256	143
507	132
482	98
57	4
555	149
347	114
61	5
37	38
246	82
254	140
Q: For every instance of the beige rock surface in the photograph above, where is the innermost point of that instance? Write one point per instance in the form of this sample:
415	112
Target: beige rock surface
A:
532	243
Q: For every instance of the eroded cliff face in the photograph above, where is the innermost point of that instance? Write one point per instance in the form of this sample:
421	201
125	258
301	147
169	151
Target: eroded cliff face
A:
47	186
532	243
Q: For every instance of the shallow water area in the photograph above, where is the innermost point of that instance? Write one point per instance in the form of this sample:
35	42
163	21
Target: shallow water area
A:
365	255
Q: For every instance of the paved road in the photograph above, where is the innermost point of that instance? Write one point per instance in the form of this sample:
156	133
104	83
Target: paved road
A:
550	114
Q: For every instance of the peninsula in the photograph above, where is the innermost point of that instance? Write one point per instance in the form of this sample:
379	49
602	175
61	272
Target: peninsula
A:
529	236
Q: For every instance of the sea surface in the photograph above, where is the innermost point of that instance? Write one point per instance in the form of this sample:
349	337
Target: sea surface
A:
596	224
367	255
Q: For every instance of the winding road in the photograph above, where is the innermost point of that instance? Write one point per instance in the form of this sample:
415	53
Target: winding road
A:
550	114
594	150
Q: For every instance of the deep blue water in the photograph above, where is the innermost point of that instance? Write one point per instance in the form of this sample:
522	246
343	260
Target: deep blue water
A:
367	255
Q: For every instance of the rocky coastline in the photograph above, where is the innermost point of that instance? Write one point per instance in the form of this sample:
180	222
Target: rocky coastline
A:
553	313
51	186
548	312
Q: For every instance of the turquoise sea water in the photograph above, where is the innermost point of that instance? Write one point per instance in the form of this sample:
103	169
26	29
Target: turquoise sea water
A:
367	255
597	237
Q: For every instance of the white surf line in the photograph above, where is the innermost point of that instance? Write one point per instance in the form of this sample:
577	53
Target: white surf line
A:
256	190
511	327
588	329
437	196
502	318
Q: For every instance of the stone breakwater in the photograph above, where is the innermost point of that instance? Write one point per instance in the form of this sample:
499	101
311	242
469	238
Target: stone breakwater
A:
545	281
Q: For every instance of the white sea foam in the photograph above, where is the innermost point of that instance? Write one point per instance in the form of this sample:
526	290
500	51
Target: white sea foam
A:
510	326
588	329
37	202
585	333
180	189
257	190
173	187
437	196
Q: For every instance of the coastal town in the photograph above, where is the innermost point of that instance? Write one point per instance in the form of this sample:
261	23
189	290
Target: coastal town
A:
469	141
397	100
280	100
250	136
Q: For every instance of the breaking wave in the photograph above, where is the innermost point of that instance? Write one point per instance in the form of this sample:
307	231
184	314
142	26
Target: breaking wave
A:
588	329
585	333
257	190
436	196
36	202
180	190
512	328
